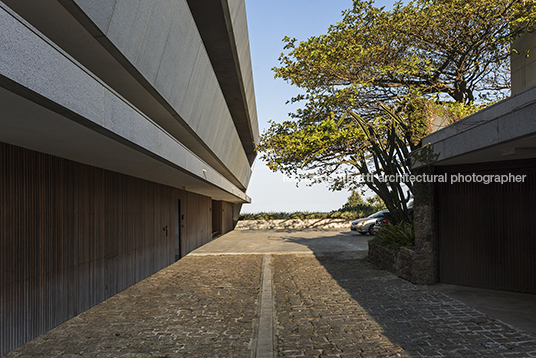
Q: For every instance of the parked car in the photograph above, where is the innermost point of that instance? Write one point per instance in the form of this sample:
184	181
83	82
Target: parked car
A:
366	225
382	221
389	218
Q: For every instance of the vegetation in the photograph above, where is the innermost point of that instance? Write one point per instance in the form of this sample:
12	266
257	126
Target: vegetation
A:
391	71
354	208
455	50
395	236
439	52
356	203
336	214
388	156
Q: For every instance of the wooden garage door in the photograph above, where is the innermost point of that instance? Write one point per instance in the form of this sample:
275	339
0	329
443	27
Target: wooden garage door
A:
487	232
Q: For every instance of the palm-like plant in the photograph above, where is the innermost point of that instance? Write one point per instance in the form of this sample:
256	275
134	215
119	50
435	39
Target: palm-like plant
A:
388	155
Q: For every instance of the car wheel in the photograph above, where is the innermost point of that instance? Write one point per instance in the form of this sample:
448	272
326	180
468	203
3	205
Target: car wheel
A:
371	230
362	233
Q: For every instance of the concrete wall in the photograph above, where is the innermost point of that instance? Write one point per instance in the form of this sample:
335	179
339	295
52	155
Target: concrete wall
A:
223	29
238	18
177	66
54	105
151	53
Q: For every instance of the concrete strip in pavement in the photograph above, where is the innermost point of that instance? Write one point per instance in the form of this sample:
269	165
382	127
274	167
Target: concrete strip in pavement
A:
265	340
281	242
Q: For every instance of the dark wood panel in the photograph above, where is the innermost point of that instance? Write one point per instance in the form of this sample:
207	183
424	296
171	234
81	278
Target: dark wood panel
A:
216	217
227	217
222	217
487	232
72	235
197	229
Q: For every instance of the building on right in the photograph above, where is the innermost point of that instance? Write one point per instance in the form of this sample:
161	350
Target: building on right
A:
478	228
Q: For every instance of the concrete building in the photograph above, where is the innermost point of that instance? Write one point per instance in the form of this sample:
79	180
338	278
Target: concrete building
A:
127	135
478	229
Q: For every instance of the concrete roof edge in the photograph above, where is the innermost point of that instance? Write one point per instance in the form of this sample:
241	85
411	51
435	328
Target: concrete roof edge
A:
216	24
508	105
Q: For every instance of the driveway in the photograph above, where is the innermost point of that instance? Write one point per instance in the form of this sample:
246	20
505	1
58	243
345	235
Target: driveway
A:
284	294
287	242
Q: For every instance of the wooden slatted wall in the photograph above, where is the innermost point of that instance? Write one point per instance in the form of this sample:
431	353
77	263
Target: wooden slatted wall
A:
197	222
216	217
73	235
487	233
227	217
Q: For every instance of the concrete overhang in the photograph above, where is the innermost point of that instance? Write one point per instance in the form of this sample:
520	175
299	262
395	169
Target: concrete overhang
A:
50	103
217	24
72	30
502	132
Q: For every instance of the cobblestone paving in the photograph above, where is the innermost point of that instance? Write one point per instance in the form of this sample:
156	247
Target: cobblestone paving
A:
335	307
331	306
198	307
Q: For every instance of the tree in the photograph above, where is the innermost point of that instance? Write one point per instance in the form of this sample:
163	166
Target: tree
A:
388	156
454	50
355	199
450	51
375	200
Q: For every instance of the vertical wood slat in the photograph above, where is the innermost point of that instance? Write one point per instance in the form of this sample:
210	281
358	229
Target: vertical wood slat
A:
486	232
72	235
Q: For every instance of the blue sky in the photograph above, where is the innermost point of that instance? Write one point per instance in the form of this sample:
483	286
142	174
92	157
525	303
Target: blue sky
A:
268	23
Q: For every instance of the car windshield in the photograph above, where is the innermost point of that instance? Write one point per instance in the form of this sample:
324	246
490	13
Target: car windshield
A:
375	215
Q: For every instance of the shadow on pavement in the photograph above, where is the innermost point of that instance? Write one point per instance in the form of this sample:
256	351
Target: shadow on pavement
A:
348	244
419	319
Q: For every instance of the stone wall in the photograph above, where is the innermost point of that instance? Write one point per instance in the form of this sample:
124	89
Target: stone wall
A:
407	263
400	263
419	263
425	265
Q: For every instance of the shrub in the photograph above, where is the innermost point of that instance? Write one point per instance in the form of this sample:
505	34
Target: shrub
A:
342	214
348	215
395	236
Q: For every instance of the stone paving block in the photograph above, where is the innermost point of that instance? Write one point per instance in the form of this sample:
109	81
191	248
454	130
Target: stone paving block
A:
197	307
356	310
328	306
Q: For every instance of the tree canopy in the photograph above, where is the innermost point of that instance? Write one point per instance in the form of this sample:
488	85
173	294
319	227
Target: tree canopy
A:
454	52
355	199
455	48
